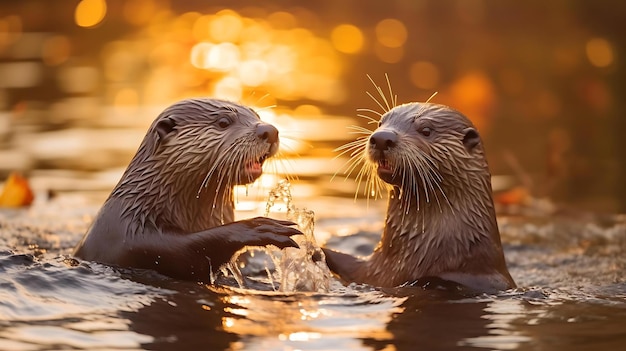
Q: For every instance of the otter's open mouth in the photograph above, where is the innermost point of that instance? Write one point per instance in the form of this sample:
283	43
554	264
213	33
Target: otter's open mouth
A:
385	170
254	168
384	167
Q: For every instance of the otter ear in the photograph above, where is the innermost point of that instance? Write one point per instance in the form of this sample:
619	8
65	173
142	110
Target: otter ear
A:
164	127
471	138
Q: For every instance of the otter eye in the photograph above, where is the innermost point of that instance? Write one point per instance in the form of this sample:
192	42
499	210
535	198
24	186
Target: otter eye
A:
223	122
425	131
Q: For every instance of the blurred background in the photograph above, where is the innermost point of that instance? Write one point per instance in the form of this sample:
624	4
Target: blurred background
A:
80	81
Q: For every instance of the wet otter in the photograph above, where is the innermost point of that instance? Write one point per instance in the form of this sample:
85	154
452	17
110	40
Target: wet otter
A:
173	209
441	221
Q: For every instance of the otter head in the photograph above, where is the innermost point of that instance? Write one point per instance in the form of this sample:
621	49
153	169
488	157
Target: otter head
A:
428	151
193	154
224	142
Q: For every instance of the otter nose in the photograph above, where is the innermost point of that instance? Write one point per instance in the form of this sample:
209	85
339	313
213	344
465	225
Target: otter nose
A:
383	140
267	132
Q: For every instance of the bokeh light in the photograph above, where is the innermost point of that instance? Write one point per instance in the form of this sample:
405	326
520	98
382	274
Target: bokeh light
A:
225	26
391	33
389	54
599	52
347	38
310	61
424	75
56	50
90	12
253	72
139	12
10	29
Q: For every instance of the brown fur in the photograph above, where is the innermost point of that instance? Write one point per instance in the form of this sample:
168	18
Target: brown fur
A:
172	211
440	220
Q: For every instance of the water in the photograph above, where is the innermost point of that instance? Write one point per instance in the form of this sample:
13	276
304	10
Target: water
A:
570	269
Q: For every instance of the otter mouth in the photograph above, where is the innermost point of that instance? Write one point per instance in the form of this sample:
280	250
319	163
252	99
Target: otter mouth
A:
385	170
254	168
384	166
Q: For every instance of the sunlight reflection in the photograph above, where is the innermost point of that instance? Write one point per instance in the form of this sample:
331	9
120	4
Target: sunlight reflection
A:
300	336
90	12
252	54
225	26
222	57
306	318
503	335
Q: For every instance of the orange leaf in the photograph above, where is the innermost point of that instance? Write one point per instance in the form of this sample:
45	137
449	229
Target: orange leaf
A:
16	192
516	196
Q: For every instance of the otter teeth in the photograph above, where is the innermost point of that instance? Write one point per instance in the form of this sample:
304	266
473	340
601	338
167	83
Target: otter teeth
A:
263	158
383	164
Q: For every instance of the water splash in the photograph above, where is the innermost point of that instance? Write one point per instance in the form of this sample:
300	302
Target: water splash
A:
294	269
302	269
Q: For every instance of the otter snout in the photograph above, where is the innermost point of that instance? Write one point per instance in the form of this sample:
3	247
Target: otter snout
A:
267	132
383	140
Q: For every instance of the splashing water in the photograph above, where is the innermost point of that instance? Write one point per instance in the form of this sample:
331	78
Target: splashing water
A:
302	269
296	269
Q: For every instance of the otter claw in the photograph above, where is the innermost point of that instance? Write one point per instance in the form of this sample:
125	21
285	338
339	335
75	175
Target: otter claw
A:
281	244
275	226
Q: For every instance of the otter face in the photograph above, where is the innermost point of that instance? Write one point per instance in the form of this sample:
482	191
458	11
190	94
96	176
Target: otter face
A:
419	145
218	142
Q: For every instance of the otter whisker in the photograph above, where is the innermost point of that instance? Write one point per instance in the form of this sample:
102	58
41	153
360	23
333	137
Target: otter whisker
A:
365	170
378	103
352	151
430	188
359	130
382	95
293	139
406	174
216	165
268	107
394	98
414	185
374	183
438	179
355	160
370	111
356	157
345	148
354	148
431	97
286	164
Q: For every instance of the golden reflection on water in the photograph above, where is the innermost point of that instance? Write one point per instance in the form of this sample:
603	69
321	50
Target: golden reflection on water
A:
306	318
501	332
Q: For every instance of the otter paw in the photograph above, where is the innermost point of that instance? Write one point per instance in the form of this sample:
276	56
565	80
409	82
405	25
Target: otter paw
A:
270	225
262	231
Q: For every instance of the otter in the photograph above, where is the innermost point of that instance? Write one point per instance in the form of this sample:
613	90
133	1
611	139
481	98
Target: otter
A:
173	209
441	223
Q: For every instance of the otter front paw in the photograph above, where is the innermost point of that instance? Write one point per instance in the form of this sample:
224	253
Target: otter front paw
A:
263	231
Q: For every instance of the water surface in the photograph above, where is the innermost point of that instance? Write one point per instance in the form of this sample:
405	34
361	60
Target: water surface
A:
570	269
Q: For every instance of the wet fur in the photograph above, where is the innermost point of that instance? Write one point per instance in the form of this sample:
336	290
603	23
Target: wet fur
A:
441	220
172	210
